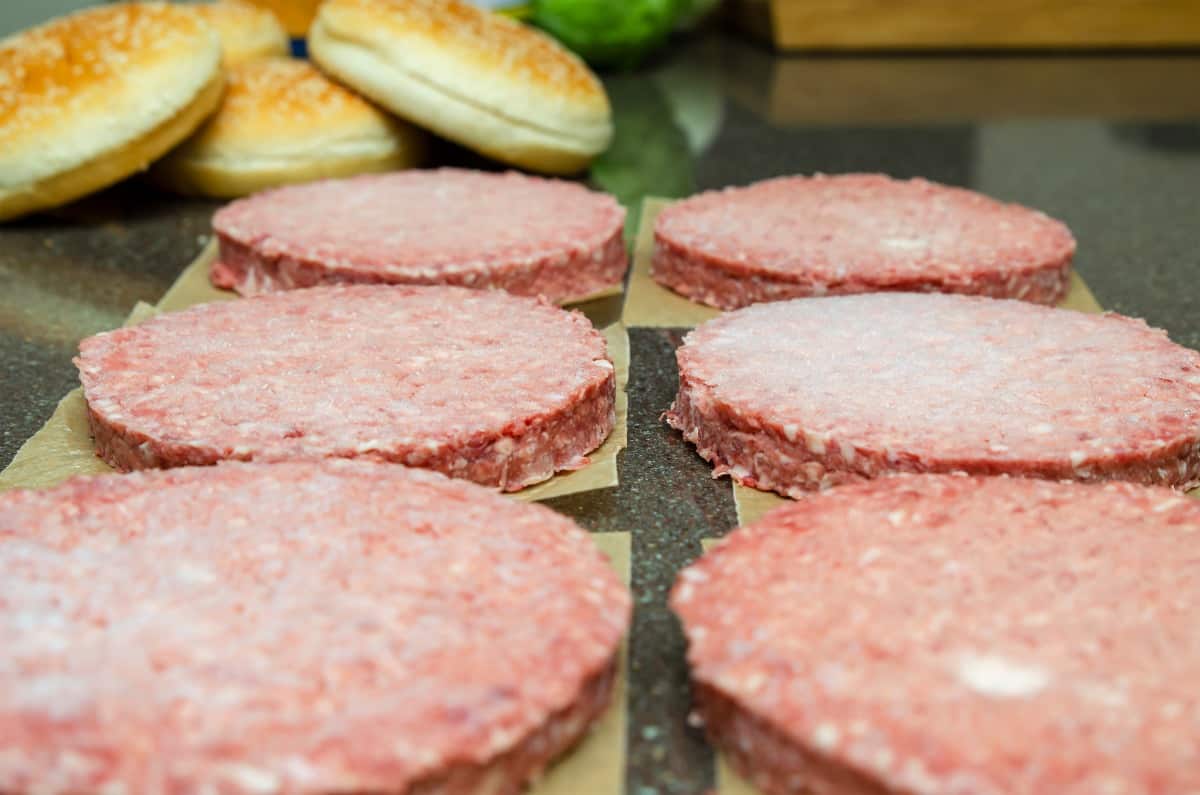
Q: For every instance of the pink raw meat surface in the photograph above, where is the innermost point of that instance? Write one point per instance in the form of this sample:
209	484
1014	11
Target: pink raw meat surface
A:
804	394
955	636
527	235
482	385
794	237
306	627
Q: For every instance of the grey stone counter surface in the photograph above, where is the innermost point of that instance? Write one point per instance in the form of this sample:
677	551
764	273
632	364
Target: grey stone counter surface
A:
1108	143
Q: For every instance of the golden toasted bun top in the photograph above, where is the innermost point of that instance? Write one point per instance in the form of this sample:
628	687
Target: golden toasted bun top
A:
469	38
294	14
283	106
82	84
246	31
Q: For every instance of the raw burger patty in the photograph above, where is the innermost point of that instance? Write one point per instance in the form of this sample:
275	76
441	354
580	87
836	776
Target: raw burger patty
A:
802	236
307	627
526	235
479	385
805	394
955	636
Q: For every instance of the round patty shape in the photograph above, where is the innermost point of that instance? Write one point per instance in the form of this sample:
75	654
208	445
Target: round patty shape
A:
949	635
796	237
478	385
308	627
809	393
526	235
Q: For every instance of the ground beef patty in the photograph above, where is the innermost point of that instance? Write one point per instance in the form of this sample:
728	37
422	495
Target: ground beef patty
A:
307	627
948	635
803	236
809	393
526	235
480	385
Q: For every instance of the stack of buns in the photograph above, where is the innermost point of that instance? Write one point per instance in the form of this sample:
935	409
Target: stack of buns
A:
484	80
282	122
209	92
246	31
91	98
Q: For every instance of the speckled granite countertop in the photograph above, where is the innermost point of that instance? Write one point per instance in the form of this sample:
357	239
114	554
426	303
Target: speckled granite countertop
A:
1110	144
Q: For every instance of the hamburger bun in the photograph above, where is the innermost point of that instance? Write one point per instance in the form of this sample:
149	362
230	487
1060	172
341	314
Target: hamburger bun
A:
488	82
296	15
92	97
281	122
247	32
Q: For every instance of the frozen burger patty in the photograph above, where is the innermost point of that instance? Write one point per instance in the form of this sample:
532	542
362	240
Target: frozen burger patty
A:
804	394
307	627
938	634
526	235
479	385
795	237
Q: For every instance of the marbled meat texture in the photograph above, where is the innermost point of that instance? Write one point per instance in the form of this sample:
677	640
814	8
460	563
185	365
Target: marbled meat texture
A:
480	385
795	237
941	635
307	627
805	394
527	235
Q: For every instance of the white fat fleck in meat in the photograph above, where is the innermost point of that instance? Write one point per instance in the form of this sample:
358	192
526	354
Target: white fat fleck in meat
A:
815	442
847	451
904	243
1102	693
999	677
192	574
252	779
825	736
869	556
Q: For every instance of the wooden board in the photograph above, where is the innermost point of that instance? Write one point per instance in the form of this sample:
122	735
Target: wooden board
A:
955	24
939	89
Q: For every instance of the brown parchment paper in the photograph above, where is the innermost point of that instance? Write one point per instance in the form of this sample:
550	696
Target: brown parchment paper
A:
193	287
63	447
648	304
